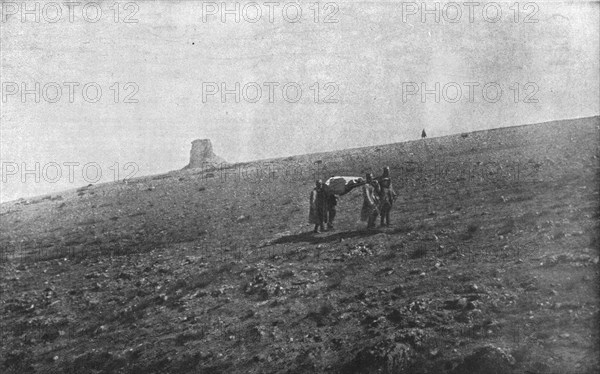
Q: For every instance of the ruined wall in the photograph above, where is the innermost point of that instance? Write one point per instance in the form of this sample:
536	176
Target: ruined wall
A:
202	155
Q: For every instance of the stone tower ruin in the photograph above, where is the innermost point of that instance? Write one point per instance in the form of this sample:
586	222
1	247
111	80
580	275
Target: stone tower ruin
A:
202	155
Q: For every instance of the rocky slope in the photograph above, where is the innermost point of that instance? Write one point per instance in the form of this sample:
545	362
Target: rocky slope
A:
490	265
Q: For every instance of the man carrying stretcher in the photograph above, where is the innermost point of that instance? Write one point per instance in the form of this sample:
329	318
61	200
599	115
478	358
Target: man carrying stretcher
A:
324	199
338	186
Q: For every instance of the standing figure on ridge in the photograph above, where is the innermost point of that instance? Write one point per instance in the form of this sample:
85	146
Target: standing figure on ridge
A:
423	135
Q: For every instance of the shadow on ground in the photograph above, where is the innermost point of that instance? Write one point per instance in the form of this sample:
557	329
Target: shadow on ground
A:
310	237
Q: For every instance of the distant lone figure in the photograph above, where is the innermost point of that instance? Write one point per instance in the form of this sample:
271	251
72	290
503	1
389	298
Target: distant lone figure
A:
423	134
317	214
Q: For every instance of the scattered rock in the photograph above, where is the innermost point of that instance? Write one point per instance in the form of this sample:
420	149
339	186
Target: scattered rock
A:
473	305
460	303
486	360
263	289
385	356
399	290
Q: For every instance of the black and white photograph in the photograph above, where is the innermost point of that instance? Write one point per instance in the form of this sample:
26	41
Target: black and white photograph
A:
299	186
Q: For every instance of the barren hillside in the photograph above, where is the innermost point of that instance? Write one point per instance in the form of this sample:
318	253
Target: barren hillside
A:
490	265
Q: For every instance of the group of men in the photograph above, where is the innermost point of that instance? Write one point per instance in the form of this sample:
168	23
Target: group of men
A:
378	199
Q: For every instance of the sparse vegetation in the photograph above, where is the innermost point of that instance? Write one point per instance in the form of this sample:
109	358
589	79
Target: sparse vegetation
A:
335	277
472	228
419	252
132	281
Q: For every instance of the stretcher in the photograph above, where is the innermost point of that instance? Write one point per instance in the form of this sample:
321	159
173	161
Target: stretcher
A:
342	185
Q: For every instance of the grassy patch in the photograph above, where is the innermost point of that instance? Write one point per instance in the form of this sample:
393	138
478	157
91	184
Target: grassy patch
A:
403	229
335	277
469	233
193	334
419	252
508	227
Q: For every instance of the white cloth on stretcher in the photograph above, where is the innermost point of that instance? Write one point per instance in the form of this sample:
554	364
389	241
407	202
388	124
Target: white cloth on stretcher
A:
341	185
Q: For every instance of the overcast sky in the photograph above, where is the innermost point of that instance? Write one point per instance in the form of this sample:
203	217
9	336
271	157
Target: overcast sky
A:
362	55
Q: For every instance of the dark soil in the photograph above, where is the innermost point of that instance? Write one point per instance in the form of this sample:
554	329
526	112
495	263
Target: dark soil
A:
490	265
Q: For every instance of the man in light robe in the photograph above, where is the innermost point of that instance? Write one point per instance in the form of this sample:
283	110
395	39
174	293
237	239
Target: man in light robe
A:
370	210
